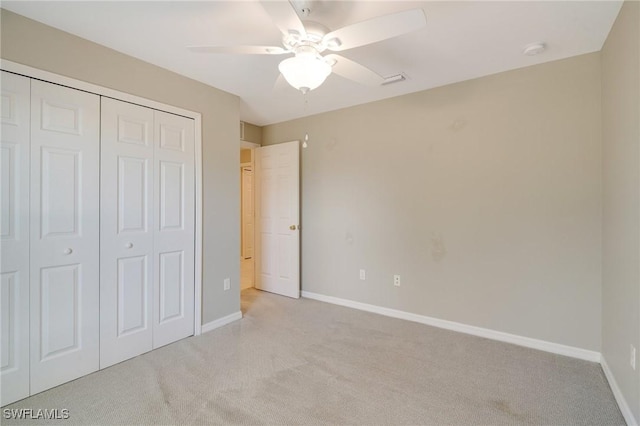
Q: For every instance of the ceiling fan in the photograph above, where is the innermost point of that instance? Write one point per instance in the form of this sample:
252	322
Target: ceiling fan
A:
307	40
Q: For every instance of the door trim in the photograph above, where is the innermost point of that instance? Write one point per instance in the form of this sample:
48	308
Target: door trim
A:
250	168
249	145
47	76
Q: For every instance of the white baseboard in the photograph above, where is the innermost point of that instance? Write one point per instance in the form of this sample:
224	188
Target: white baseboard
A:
528	342
617	393
221	321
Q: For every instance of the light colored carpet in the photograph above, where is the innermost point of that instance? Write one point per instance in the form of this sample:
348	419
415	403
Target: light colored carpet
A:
307	362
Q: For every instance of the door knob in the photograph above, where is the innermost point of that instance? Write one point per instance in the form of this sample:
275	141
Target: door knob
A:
292	227
68	251
129	245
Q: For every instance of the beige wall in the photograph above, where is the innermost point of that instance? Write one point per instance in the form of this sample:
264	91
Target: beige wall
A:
31	43
252	133
485	196
621	221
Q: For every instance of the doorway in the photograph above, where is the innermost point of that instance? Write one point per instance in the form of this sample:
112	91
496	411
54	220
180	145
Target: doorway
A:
270	218
247	217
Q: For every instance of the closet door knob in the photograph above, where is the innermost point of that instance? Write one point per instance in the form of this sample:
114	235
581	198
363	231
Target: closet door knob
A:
68	251
129	245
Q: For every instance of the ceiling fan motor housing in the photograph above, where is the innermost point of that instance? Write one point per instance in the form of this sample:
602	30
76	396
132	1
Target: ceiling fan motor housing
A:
315	33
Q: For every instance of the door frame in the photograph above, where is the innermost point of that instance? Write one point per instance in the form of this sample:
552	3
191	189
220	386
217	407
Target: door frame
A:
73	83
242	198
249	145
252	146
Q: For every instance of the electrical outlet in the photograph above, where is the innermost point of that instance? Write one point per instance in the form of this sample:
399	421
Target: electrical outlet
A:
227	283
632	361
396	280
363	275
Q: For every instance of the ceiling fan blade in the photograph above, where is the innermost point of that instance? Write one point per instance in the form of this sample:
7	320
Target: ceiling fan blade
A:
248	50
376	29
284	16
353	71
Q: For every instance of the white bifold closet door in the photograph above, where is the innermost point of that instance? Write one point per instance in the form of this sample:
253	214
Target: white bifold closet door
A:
14	234
126	246
65	196
174	237
147	230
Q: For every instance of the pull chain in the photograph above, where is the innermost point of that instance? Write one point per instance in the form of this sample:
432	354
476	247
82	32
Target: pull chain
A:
306	135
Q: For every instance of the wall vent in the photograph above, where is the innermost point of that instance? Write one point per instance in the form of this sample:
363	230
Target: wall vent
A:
394	79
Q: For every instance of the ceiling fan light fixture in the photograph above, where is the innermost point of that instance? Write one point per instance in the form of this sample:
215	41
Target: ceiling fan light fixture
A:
305	71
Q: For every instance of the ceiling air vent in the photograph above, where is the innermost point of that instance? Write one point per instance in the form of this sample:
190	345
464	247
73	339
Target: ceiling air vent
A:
394	79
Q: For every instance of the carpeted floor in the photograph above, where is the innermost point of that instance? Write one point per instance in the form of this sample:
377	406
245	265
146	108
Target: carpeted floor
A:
307	362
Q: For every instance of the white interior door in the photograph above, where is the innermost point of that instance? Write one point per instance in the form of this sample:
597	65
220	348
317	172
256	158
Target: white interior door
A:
247	213
174	238
278	212
65	140
14	235
126	231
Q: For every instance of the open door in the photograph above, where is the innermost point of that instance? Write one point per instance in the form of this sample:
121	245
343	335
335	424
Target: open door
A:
277	208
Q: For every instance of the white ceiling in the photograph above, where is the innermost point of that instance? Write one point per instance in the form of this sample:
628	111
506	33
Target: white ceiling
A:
462	40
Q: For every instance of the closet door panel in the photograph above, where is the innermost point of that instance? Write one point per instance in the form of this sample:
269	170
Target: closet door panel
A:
174	234
14	238
64	278
126	245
